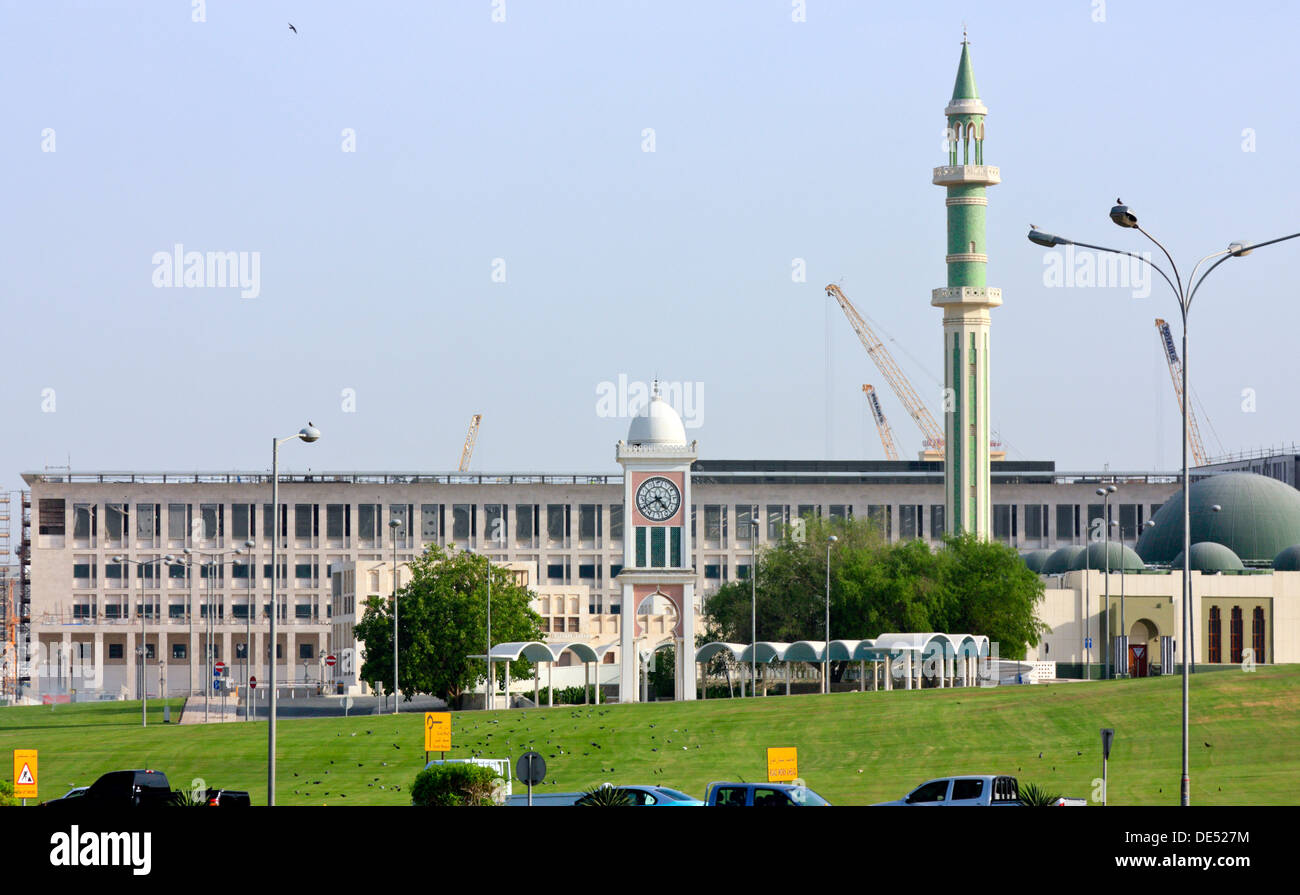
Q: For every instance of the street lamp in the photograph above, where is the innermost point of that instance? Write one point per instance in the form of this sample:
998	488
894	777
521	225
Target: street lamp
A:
826	659
393	526
753	598
144	696
1104	494
1123	216
209	563
308	434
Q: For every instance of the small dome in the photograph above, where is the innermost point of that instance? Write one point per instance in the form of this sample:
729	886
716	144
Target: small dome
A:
1060	560
657	424
1288	560
1122	559
1208	556
1035	559
1257	518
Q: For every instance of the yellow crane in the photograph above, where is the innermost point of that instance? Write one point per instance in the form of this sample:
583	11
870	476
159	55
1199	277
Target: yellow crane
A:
886	435
1176	373
931	432
470	437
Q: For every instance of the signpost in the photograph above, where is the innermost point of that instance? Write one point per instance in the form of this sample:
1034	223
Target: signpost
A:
25	774
531	769
782	765
329	660
1107	737
437	733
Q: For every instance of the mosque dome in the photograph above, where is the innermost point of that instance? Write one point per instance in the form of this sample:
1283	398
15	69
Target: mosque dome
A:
1060	560
657	424
1208	556
1288	560
1258	518
1035	559
1122	559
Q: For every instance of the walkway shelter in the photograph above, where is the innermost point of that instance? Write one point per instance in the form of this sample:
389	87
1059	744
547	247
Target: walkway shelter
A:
548	654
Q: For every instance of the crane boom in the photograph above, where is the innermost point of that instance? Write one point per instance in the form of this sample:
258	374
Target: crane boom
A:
931	433
1176	373
470	438
886	434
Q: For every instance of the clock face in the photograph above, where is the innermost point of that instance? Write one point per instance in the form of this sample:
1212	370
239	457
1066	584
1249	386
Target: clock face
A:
658	499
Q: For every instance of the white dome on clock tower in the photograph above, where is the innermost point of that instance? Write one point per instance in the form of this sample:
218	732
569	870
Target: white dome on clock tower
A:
657	424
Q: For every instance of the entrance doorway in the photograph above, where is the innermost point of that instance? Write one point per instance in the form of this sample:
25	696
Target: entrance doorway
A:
1140	638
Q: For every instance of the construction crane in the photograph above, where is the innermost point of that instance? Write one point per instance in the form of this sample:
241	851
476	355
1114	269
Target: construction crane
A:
470	437
1176	373
931	432
882	426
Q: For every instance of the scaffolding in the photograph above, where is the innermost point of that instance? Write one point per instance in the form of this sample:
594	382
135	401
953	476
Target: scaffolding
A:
23	609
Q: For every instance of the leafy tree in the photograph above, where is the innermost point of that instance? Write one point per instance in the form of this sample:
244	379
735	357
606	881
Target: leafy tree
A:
967	586
7	794
442	619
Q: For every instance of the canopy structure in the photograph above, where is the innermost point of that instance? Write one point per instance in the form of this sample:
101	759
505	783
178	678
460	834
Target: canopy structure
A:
546	654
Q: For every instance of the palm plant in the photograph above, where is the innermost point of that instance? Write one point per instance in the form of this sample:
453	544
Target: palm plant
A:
604	795
1034	796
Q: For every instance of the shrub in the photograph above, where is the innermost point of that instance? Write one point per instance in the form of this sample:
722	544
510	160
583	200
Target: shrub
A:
1035	796
604	796
7	794
454	785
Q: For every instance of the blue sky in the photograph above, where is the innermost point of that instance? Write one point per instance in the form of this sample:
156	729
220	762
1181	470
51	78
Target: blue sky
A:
523	141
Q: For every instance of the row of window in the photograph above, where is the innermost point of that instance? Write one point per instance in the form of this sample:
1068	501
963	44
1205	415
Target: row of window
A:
1236	635
180	651
113	610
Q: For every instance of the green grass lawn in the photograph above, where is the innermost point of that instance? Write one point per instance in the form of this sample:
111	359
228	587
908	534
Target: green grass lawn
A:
853	748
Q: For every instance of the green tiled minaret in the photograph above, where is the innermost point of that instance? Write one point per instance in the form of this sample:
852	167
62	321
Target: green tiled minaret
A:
966	301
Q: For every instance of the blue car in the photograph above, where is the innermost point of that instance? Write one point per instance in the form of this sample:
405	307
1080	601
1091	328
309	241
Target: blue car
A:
646	796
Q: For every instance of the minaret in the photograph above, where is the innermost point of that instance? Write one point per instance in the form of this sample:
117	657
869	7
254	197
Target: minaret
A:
966	301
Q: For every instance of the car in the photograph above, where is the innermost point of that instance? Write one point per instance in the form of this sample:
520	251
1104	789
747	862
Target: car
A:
965	790
652	796
762	795
75	793
229	798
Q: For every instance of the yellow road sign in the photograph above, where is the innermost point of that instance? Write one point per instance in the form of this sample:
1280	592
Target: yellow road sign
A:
437	731
782	765
24	773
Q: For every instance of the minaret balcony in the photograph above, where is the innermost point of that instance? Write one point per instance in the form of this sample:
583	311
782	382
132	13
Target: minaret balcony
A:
967	175
968	296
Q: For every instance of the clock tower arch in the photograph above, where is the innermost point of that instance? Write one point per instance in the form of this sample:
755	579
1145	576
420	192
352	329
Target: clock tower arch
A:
657	549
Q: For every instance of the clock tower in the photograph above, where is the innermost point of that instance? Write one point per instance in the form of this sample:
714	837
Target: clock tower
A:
658	578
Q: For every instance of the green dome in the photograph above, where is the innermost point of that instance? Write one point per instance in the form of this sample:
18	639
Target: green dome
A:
1035	559
1122	559
1060	561
1259	518
1208	556
1288	560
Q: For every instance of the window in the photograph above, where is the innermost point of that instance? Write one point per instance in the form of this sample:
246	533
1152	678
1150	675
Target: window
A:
149	652
1236	635
588	521
115	649
212	518
967	789
1128	520
1257	633
555	572
84	570
241	649
776	521
242	522
368	523
148	522
115	522
930	792
713	571
586	570
840	511
1095	525
557	524
1216	636
176	610
178	523
494	523
771	798
808	509
938	522
881	518
302	610
113	571
429	525
1002	522
50	516
306	523
462	521
113	611
1066	522
616	522
573	626
336	522
239	610
658	547
81	610
909	521
83	522
746	521
729	796
178	651
525	523
401	513
305	651
1035	523
712	522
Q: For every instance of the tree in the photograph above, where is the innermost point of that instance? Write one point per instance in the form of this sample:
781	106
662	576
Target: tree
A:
454	785
442	619
966	586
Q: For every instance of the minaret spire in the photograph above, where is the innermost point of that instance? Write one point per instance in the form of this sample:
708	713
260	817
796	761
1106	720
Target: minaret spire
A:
966	302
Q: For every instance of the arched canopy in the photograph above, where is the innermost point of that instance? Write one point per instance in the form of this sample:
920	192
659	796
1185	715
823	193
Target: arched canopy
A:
583	651
709	650
530	650
806	651
846	650
766	652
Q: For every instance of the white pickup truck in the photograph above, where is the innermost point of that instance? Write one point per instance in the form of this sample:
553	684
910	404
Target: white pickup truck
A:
970	789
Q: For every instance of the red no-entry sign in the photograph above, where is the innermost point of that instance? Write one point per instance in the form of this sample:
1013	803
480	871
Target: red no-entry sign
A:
221	667
329	660
252	683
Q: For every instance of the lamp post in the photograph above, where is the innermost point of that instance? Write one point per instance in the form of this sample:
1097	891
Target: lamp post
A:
826	659
209	563
1122	216
144	696
393	526
1105	494
487	694
308	434
753	597
248	625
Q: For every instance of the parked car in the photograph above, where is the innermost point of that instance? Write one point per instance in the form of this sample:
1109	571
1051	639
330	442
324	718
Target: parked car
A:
762	795
969	790
229	798
75	793
139	789
656	796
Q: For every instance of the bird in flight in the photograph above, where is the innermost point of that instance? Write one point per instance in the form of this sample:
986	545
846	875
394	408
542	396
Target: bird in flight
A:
293	29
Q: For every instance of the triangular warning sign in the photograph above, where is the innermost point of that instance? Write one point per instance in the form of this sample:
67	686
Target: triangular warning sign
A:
25	778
